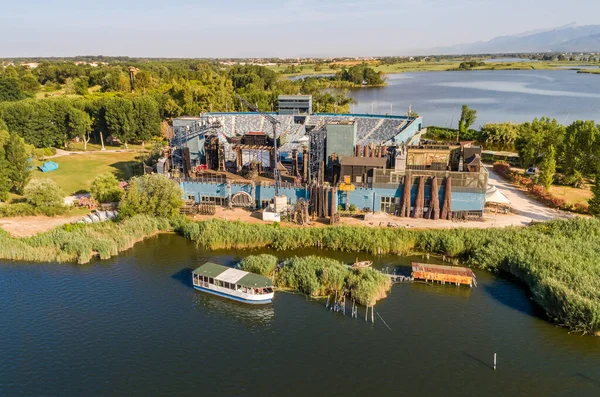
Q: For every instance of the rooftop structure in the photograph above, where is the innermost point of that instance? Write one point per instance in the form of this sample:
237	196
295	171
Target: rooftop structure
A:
294	104
233	276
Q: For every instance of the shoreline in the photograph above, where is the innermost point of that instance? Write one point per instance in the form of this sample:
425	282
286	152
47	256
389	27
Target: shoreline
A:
541	257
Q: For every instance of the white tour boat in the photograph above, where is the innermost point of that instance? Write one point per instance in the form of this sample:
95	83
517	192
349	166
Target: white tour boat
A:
233	283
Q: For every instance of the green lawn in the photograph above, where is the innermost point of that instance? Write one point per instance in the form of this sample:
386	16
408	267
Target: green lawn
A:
77	171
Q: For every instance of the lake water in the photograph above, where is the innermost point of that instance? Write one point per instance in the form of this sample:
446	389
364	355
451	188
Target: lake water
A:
512	95
134	326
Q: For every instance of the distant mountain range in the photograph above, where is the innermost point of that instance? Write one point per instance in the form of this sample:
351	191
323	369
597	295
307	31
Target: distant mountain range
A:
568	38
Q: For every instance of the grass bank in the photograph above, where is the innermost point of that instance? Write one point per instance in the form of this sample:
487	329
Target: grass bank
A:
559	261
77	171
80	242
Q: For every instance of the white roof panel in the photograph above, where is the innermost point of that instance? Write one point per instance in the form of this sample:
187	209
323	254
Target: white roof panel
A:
231	275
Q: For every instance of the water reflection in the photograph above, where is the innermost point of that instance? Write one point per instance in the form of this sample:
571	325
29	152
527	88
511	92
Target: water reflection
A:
213	305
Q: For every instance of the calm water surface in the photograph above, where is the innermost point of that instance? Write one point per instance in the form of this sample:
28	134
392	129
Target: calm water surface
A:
133	326
510	95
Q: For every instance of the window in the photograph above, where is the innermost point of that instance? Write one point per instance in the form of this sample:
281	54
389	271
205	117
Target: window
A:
191	197
387	204
211	280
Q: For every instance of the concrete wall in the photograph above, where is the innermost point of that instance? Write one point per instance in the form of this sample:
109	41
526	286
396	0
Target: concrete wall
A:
341	139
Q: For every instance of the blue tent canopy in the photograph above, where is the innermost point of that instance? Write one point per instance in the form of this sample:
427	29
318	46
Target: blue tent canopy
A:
48	166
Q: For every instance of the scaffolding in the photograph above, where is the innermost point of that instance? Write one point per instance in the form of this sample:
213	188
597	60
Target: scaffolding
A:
316	157
183	134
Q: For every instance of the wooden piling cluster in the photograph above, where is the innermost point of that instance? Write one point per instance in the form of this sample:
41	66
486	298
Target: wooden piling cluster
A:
416	209
322	201
339	306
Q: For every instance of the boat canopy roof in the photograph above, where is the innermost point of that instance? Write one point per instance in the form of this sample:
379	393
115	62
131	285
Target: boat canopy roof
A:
233	276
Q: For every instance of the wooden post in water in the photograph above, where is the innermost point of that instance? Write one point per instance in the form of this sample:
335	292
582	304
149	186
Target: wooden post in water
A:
494	361
327	304
367	314
373	314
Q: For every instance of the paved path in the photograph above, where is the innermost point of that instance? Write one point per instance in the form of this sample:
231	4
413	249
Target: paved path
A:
522	204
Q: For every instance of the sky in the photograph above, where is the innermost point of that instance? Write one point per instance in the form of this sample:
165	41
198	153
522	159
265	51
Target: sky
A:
285	28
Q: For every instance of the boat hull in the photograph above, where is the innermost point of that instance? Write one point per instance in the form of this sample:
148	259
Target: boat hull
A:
268	297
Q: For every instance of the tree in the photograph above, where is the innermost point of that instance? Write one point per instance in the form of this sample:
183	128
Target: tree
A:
151	194
536	137
499	133
143	81
5	183
467	119
29	83
10	90
80	86
548	167
119	119
581	148
79	124
18	162
594	202
44	193
147	118
105	188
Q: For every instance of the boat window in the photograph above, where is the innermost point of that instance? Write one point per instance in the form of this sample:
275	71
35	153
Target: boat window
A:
211	280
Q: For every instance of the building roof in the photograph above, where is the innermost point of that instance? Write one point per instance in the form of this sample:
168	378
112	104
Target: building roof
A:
442	269
364	161
233	276
285	97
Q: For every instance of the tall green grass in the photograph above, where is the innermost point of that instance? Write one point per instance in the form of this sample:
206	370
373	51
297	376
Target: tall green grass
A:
318	276
80	242
558	261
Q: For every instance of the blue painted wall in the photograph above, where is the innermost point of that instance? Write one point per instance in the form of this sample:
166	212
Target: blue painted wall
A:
361	197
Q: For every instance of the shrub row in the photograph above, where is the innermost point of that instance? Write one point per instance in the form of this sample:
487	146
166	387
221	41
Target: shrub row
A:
538	192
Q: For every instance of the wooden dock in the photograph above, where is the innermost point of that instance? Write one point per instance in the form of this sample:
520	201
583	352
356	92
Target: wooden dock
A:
444	274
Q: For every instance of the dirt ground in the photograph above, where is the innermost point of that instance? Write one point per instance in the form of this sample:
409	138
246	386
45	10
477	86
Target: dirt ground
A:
24	226
383	220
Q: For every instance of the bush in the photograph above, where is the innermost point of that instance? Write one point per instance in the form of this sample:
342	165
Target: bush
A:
105	188
152	194
581	208
261	264
352	208
44	193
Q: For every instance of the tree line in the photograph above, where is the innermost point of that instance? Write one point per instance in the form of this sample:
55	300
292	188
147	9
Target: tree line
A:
125	89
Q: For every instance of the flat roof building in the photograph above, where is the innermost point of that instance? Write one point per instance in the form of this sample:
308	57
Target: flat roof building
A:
295	104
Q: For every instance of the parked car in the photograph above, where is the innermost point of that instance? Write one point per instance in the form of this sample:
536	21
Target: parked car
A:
532	171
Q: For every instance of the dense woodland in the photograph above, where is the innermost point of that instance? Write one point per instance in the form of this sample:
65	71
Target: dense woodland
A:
58	101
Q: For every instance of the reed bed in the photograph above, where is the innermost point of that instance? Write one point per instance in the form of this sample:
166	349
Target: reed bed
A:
317	276
264	264
558	261
81	242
